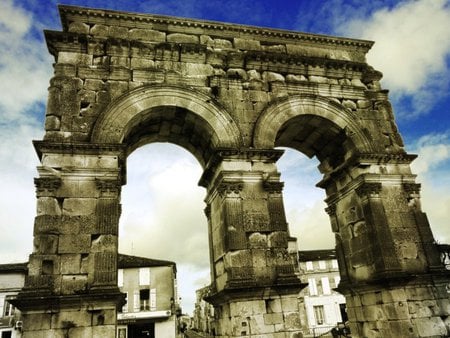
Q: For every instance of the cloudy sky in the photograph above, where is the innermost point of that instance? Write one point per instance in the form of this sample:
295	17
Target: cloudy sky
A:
412	50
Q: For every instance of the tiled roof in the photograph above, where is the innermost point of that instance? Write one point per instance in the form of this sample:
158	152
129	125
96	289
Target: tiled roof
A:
127	261
316	255
14	267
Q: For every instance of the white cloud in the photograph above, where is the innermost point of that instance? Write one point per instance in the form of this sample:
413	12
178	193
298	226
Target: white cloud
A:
412	46
432	167
25	64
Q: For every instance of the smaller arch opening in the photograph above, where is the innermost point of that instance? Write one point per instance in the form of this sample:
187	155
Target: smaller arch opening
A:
174	125
316	136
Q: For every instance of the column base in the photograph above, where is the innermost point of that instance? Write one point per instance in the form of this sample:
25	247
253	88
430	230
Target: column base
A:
418	307
92	314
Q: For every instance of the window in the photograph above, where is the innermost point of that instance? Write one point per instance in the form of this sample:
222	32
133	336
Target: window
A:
322	265
8	309
326	286
136	302
120	278
144	296
144	276
337	279
334	264
6	334
309	265
319	314
312	286
125	306
153	299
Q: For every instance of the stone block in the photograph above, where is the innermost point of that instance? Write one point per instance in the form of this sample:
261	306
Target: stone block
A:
80	318
273	318
246	44
75	58
182	38
79	206
277	239
72	284
118	32
48	206
70	264
371	298
78	27
395	295
419	293
147	35
247	308
104	243
99	30
74	244
272	77
37	321
289	304
94	85
257	240
397	310
292	321
318	79
373	313
47	224
138	63
295	78
45	244
430	327
52	123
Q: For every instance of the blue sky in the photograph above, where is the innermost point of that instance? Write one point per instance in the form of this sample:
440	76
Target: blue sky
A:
412	49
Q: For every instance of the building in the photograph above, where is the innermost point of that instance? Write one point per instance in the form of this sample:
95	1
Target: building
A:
322	307
149	284
12	278
203	312
152	302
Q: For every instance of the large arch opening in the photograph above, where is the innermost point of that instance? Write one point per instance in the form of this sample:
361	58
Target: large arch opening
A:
162	214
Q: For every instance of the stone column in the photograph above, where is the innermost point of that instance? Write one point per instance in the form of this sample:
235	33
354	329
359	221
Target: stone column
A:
71	287
254	290
392	276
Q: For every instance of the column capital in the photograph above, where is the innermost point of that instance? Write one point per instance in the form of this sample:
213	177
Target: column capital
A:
47	184
273	187
369	189
227	188
108	186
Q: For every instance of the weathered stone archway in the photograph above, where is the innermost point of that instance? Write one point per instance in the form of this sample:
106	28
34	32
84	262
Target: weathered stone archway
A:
229	94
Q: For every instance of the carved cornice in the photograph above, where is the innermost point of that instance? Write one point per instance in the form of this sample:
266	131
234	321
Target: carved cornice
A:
47	184
177	24
221	154
365	159
367	189
78	148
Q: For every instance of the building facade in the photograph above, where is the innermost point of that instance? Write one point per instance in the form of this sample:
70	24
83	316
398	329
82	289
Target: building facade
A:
203	313
151	306
322	307
12	278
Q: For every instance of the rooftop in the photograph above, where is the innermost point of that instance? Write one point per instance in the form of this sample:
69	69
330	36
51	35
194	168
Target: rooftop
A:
316	255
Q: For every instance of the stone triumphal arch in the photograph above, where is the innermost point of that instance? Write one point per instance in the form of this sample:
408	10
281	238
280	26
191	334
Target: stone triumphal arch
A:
230	95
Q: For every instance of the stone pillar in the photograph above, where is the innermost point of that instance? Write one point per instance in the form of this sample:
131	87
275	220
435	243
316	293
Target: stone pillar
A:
254	287
71	288
394	282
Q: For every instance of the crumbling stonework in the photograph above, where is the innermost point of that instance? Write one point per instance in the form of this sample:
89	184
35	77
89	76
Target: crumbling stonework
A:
229	94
